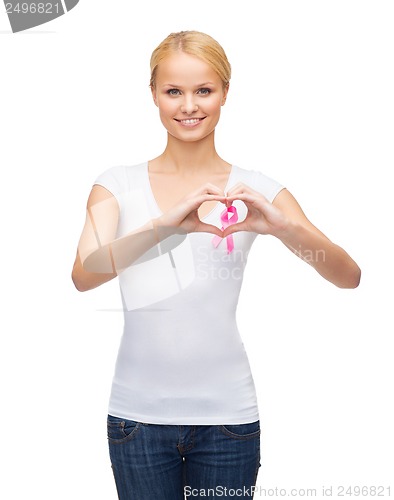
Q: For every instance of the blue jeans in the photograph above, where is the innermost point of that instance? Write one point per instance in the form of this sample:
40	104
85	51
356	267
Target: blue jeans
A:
174	462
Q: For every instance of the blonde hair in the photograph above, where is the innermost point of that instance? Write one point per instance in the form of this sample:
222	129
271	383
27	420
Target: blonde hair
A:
196	44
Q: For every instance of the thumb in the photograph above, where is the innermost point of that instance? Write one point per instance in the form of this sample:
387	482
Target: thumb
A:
239	226
209	228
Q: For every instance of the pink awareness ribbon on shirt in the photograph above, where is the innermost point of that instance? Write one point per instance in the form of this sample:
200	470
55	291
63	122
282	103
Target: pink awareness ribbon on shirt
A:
226	221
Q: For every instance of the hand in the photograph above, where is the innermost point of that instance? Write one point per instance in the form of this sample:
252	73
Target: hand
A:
183	217
262	217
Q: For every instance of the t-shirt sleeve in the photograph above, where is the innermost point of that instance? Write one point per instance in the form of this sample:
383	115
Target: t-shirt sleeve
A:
265	185
112	179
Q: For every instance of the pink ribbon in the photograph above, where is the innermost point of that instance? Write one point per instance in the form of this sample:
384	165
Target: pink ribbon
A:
226	221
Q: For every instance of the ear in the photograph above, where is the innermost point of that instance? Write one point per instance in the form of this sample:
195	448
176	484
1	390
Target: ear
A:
154	95
225	92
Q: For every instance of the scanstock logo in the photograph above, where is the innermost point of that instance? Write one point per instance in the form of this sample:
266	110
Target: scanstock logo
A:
25	15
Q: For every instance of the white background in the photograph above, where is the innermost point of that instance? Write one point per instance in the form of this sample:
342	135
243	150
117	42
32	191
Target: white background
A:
311	104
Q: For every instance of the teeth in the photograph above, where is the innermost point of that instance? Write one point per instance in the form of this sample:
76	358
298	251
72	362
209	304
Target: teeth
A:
193	120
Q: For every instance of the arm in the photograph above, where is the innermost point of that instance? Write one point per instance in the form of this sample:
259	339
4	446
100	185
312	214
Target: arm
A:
285	220
101	256
309	243
94	231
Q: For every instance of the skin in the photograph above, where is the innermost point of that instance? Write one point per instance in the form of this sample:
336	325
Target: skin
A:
187	180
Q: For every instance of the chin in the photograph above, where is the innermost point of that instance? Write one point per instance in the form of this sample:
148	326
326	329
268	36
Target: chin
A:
190	136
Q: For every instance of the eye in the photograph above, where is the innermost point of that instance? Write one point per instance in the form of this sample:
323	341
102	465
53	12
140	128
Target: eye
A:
173	91
204	91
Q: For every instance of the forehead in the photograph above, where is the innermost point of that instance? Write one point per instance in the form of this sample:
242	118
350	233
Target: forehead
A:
185	69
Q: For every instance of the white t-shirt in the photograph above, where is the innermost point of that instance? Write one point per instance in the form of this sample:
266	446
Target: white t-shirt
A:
181	359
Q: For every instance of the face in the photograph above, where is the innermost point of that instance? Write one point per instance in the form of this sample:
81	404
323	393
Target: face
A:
189	95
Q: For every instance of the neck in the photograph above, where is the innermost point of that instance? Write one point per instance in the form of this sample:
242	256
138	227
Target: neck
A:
191	157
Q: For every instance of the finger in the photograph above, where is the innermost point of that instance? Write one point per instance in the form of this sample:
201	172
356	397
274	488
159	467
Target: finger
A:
230	195
234	228
207	188
241	188
247	197
238	187
199	200
209	228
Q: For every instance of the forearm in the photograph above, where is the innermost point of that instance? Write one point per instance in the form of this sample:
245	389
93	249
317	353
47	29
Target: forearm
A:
95	266
327	258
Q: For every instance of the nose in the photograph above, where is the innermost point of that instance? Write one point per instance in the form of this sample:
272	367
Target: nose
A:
188	105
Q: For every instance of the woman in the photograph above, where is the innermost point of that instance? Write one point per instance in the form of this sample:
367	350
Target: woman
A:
183	416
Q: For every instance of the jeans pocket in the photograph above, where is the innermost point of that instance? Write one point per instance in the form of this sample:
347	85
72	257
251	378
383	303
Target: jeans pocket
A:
120	430
242	431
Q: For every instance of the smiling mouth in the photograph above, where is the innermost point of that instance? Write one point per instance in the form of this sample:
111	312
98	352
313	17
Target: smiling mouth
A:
190	121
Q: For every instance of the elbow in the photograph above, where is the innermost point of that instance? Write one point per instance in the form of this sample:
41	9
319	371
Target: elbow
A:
78	283
81	288
357	278
352	277
79	279
84	280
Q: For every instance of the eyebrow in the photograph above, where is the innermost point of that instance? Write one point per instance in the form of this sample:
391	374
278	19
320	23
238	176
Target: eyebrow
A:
197	86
